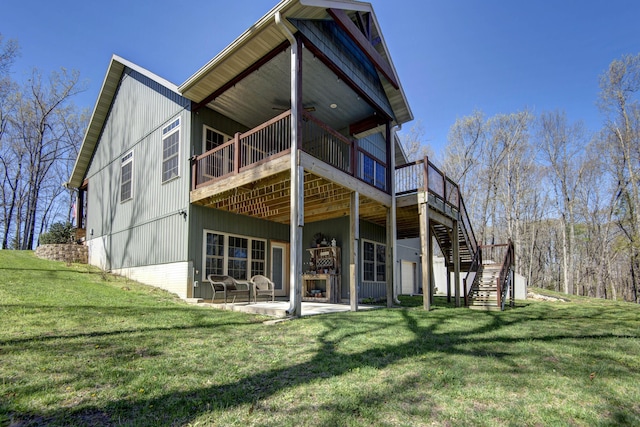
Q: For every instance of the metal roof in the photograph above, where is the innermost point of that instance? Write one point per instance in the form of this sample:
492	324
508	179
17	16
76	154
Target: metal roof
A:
100	112
265	35
256	42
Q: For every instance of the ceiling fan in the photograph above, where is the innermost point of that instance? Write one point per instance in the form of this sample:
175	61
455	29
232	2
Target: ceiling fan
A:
308	109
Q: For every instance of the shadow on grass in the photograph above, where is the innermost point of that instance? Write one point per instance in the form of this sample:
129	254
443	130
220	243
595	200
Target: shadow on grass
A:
430	335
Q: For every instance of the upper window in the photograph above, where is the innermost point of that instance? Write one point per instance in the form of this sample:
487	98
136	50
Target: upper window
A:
372	171
211	139
126	177
171	150
373	262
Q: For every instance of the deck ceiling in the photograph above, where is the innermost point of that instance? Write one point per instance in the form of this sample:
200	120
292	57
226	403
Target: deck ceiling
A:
269	199
252	102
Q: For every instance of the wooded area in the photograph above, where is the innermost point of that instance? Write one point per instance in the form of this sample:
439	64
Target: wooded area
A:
569	200
40	133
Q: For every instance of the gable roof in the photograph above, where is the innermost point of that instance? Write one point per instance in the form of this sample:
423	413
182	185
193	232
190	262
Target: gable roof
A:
256	42
109	87
265	36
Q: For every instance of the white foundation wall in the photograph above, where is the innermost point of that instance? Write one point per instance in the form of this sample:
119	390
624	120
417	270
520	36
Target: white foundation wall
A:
98	253
173	277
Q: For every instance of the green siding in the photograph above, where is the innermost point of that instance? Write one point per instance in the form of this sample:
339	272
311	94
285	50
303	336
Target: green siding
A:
202	218
147	229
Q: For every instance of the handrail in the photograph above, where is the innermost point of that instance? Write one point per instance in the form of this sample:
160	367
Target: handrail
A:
506	253
476	269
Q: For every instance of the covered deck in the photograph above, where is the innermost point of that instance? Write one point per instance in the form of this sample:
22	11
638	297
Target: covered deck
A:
251	174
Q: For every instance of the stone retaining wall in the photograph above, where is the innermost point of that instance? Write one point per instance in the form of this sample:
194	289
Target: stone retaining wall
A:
66	253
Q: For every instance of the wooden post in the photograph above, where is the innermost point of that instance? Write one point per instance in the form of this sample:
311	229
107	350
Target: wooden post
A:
236	153
456	262
448	281
425	259
389	260
297	183
354	241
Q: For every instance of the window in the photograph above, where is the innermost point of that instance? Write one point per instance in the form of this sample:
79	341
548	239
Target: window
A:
372	169
126	177
211	139
214	254
373	262
171	150
230	255
373	172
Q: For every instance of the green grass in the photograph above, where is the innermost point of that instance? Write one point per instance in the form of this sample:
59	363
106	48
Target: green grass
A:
78	347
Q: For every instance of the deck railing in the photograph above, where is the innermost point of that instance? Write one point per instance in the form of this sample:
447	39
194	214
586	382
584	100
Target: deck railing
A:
273	139
422	175
326	144
266	141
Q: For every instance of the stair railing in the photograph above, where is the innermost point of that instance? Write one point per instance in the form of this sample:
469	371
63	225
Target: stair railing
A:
503	255
504	279
476	270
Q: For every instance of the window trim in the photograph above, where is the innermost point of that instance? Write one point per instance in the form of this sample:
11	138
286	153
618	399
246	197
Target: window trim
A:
168	131
375	261
225	251
226	137
126	159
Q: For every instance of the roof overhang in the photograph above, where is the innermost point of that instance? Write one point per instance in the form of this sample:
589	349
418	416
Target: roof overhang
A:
101	111
265	36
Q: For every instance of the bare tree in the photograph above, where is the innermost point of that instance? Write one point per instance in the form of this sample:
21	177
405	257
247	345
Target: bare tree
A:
39	135
561	146
8	89
414	144
619	102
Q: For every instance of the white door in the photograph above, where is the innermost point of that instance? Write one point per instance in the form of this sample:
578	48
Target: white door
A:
408	270
279	267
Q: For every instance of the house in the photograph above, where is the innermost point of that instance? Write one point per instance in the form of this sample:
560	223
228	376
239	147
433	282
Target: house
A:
277	157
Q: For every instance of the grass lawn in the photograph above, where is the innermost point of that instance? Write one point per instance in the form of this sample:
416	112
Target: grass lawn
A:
78	347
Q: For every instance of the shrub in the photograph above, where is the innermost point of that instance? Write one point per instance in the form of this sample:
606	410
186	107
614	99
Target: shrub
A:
59	232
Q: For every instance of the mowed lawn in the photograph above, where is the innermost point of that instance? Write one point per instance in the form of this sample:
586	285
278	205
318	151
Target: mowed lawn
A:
79	347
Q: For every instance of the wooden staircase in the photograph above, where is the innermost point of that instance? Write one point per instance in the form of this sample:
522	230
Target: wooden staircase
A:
484	295
495	278
489	268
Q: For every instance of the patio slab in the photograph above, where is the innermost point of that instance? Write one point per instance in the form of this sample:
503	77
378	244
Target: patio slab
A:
278	309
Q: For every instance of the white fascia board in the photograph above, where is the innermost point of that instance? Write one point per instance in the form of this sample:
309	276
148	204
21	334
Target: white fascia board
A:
356	6
147	73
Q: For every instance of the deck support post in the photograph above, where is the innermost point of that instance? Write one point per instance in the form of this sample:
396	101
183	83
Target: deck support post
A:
392	231
354	242
297	174
425	259
456	261
389	258
448	267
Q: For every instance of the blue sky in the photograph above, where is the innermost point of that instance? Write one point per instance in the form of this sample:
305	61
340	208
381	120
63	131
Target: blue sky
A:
452	56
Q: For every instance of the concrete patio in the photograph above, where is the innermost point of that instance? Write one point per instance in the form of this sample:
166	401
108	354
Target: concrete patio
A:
278	309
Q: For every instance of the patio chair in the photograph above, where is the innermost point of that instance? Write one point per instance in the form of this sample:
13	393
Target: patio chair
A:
228	286
262	286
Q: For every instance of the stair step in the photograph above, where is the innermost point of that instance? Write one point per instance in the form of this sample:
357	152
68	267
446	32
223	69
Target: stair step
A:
484	307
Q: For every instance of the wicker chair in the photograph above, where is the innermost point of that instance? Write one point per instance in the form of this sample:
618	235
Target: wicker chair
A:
228	286
262	286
